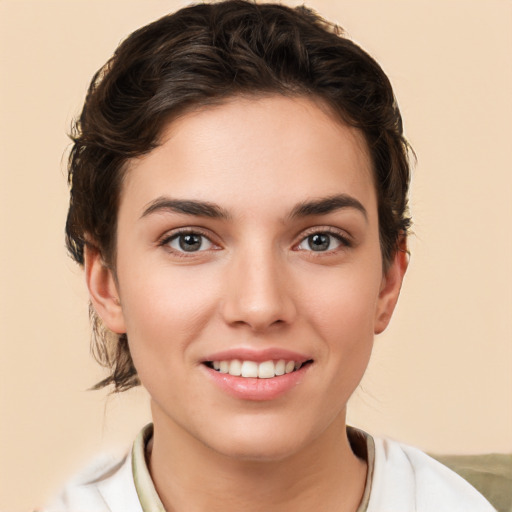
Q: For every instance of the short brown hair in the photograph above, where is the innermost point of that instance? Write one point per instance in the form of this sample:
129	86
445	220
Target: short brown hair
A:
205	54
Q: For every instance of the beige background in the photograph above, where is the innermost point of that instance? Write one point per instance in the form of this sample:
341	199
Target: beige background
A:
441	376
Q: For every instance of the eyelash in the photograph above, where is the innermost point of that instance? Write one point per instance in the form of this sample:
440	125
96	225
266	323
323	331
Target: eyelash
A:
167	239
343	240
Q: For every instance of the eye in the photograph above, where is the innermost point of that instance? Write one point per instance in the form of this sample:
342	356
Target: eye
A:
322	241
188	242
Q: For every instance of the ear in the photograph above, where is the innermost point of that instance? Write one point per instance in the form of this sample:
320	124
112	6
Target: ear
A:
103	291
390	287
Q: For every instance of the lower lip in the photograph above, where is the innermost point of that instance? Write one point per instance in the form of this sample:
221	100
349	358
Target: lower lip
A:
247	388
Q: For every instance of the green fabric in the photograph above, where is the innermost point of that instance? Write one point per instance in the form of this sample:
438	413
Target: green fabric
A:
490	474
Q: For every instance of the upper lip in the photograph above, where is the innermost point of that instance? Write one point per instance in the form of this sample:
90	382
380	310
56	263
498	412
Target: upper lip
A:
258	356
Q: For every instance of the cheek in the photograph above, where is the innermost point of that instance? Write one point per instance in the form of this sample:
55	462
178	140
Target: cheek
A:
343	316
165	308
347	327
343	303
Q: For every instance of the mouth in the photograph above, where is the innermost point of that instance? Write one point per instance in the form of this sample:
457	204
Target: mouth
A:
259	370
257	375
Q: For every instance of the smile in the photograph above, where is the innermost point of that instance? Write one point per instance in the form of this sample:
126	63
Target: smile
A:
257	378
253	369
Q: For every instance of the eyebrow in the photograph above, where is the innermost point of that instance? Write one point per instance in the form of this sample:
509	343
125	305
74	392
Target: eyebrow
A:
327	205
186	206
320	206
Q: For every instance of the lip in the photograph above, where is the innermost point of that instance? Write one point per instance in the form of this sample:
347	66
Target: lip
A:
253	389
258	356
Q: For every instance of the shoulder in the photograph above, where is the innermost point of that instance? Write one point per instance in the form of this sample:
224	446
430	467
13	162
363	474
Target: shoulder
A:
106	485
406	479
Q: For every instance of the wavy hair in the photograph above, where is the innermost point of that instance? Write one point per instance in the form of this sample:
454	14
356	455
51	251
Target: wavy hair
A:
205	54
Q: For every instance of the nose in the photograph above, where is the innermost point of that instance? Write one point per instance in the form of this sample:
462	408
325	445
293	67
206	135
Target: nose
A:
259	294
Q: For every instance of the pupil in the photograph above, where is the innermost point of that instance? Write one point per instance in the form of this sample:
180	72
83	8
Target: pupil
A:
190	242
319	242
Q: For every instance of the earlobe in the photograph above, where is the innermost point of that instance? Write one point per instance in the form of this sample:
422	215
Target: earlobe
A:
390	288
103	291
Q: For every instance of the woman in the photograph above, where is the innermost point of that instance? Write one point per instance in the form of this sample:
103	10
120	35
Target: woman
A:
239	183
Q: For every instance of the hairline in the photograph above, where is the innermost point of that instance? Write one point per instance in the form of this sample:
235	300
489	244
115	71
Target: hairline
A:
327	107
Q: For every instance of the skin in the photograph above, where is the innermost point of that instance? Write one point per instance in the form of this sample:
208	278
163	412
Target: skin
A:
254	284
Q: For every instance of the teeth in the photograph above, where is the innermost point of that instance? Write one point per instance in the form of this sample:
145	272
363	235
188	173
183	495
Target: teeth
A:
280	367
249	369
235	367
265	370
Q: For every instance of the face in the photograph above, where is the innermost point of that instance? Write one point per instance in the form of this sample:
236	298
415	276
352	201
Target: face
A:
249	274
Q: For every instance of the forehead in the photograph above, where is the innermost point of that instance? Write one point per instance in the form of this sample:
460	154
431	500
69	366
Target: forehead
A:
246	150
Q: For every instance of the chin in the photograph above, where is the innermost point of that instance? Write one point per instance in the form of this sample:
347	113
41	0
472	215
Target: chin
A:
261	451
259	441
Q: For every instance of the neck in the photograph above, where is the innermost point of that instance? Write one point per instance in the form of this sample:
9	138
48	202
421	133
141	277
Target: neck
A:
189	476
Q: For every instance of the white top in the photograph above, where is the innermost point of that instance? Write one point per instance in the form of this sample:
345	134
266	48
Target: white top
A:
400	479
